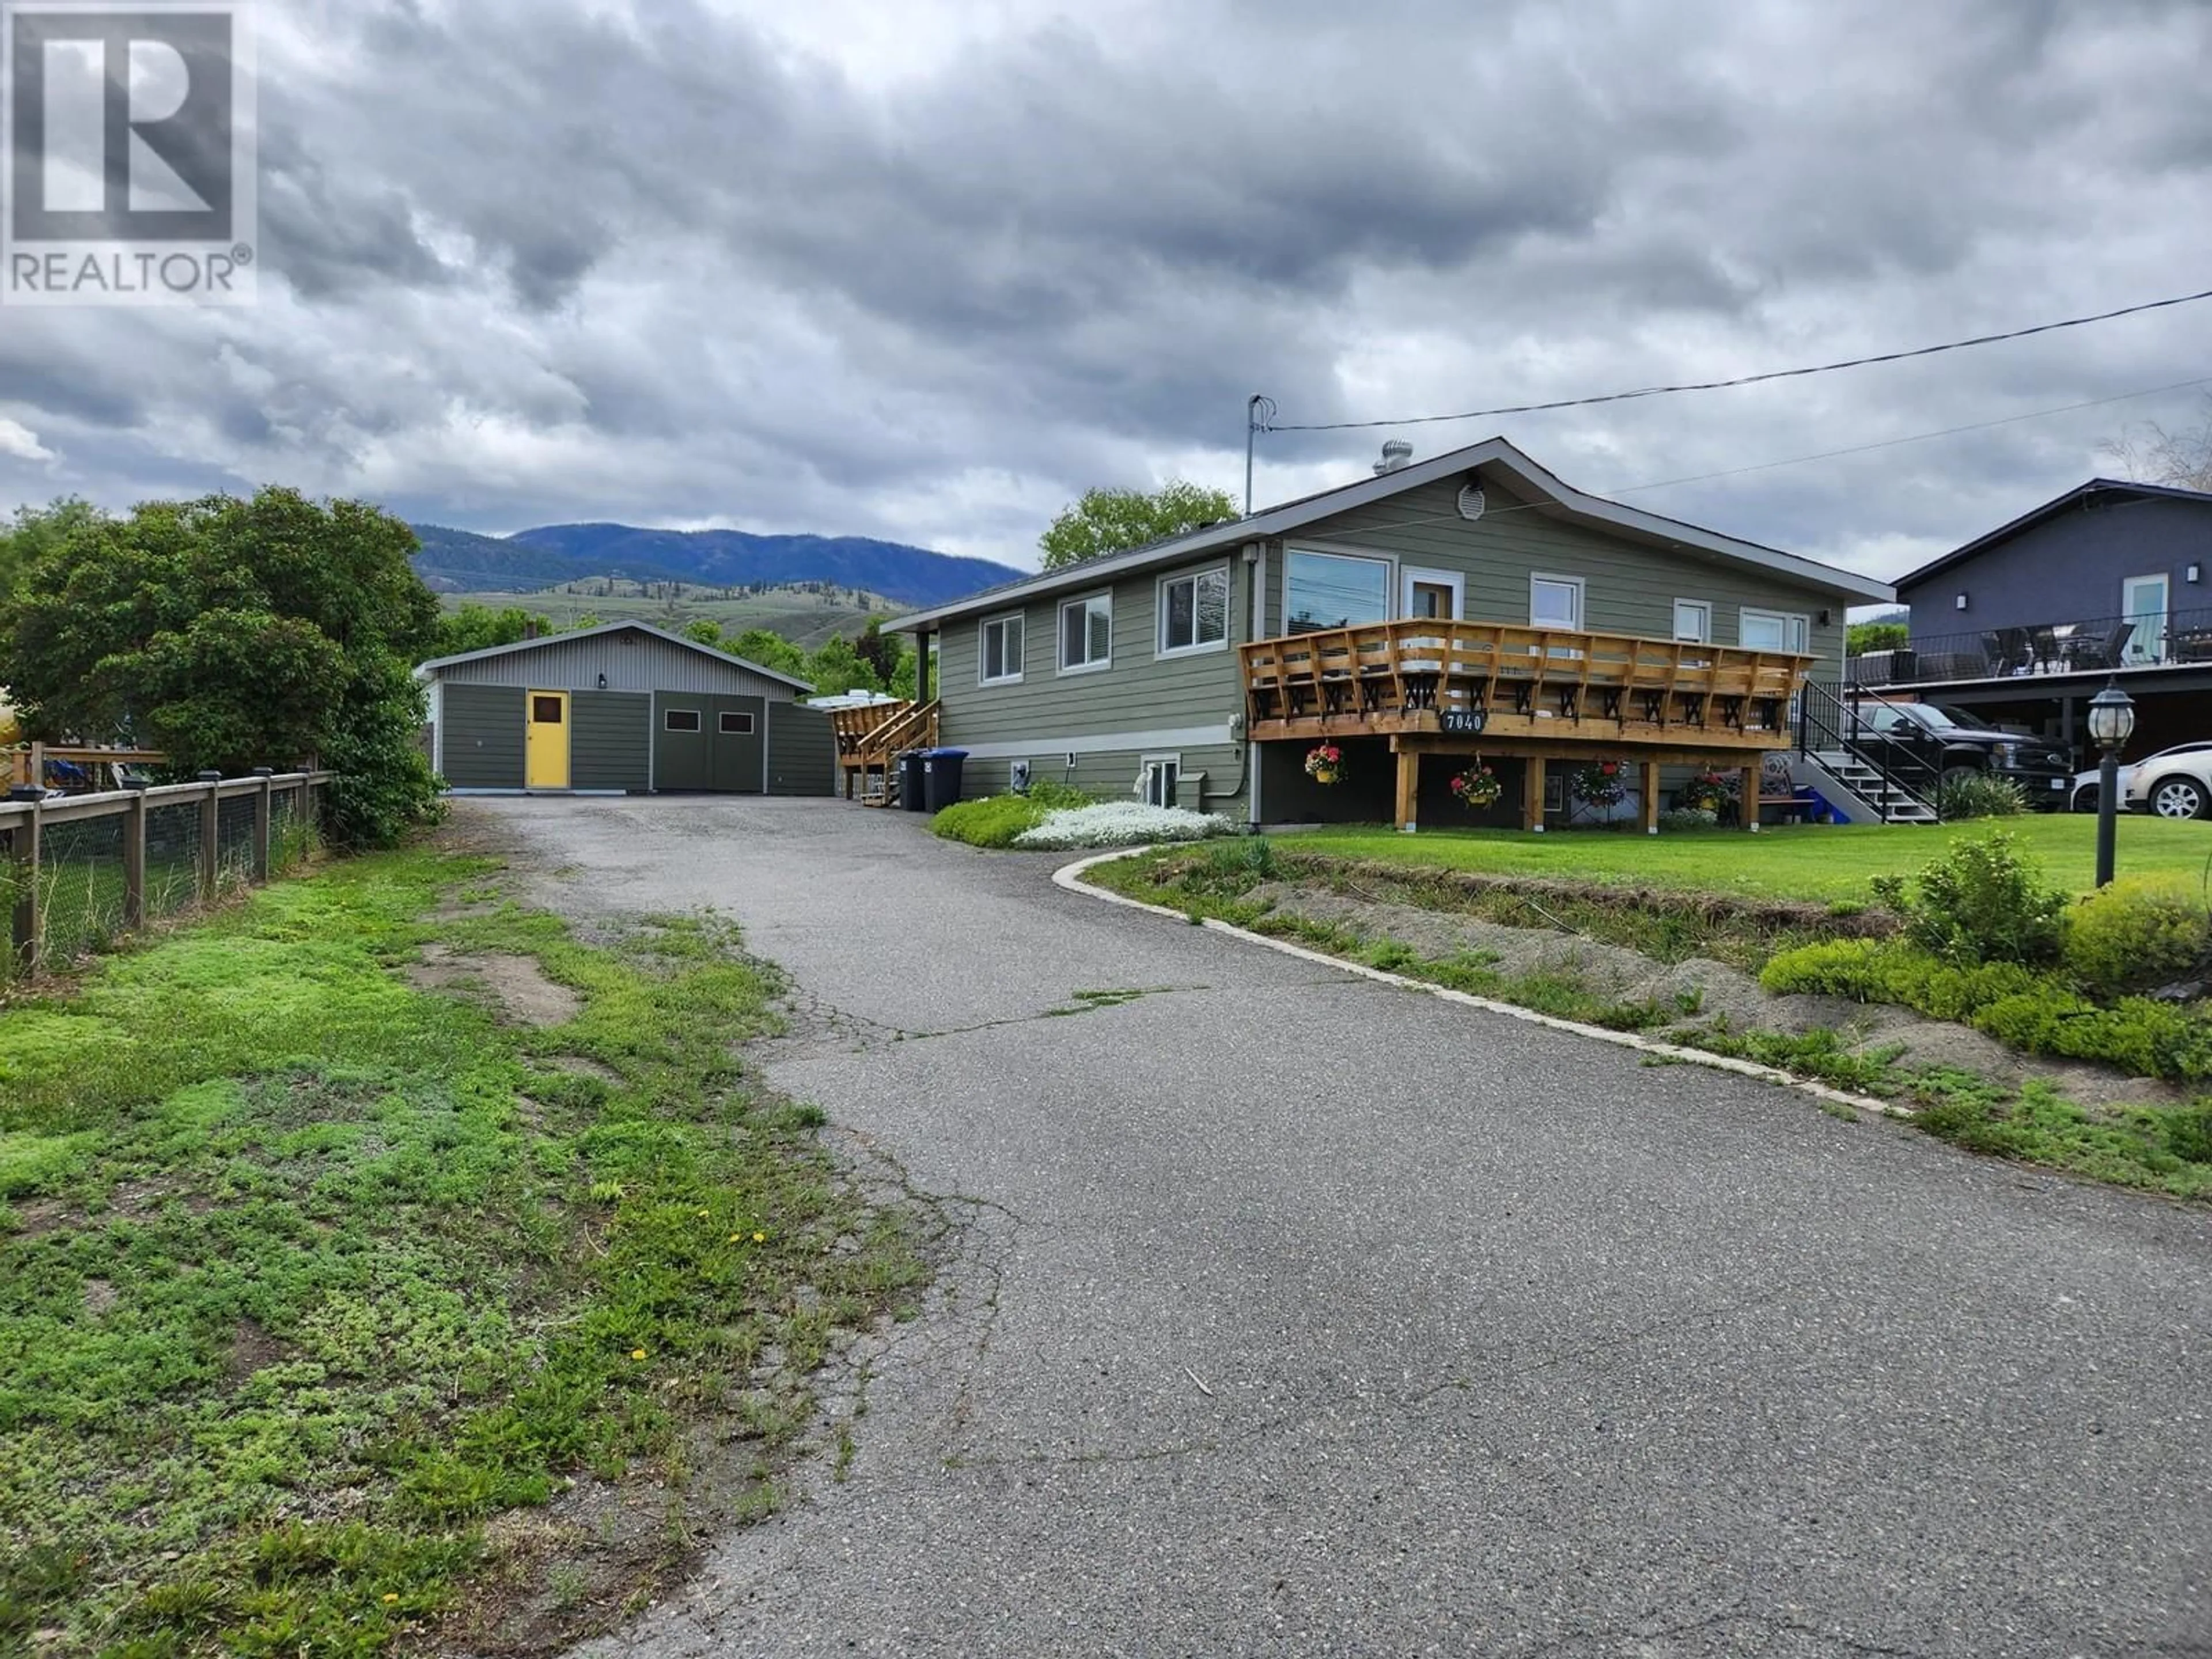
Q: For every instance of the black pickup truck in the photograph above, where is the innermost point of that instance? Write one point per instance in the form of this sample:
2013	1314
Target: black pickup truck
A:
1942	743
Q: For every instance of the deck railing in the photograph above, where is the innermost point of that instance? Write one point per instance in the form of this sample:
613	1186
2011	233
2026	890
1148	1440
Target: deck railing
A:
2089	645
871	738
1502	678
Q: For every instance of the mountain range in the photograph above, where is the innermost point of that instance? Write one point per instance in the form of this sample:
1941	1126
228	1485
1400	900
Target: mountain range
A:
461	561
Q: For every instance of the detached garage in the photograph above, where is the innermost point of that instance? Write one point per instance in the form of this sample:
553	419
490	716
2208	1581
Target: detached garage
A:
624	709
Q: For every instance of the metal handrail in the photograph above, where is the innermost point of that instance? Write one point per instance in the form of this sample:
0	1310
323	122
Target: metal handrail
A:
1905	778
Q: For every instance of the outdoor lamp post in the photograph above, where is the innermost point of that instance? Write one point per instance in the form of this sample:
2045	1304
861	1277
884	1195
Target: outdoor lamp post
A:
2112	722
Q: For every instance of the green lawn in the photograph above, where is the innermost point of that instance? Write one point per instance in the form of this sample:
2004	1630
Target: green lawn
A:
336	1313
1808	862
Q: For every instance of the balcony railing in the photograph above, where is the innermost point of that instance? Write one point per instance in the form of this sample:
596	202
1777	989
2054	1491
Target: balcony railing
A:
2098	645
1501	679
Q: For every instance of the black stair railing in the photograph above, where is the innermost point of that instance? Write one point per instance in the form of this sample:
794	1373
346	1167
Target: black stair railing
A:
1826	722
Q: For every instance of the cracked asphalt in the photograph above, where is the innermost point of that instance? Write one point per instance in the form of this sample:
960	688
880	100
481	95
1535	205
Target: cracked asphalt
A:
1295	1314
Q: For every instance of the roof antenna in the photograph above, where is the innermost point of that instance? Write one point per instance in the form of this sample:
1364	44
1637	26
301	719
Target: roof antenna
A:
1259	411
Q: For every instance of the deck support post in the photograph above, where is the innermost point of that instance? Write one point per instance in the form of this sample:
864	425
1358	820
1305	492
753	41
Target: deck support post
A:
1650	803
1752	776
1532	809
1409	789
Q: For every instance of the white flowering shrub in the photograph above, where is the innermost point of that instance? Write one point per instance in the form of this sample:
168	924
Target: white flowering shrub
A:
1120	823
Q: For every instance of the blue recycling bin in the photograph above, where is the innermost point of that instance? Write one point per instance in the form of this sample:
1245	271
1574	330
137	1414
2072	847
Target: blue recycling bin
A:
941	774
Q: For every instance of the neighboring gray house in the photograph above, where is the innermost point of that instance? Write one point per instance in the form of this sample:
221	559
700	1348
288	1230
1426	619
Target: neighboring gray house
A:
1148	671
624	708
2024	624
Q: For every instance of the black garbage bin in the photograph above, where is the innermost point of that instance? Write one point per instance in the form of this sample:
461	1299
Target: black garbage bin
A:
911	786
941	776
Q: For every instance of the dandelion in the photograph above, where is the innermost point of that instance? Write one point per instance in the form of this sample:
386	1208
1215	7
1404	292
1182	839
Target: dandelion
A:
390	1596
736	1237
760	1238
637	1353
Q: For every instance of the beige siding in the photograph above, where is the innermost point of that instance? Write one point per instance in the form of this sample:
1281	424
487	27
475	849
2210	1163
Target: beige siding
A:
1630	585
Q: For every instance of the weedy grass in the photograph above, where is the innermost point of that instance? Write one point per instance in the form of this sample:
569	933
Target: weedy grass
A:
310	1281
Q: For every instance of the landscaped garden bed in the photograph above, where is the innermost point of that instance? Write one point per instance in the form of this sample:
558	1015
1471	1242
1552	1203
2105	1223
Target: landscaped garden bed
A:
2012	1018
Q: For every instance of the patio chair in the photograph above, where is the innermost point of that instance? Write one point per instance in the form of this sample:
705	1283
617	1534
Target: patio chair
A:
2104	654
2007	652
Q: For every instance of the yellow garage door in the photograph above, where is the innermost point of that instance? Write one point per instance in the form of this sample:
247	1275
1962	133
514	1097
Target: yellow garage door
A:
545	759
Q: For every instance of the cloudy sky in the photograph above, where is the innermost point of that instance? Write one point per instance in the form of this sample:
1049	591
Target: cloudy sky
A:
926	268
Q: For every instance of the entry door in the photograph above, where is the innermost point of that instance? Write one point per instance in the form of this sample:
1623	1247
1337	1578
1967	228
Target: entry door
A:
739	744
2143	602
546	747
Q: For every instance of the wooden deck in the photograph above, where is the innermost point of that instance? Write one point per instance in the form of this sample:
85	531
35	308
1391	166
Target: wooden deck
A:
871	739
1499	681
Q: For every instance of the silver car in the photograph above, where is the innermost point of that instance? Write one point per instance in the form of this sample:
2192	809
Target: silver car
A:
2174	783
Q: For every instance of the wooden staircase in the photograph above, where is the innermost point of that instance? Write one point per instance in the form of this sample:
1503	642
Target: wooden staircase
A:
871	739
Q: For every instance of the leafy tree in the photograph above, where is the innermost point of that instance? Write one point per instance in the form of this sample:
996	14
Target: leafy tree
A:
478	627
1109	520
706	631
1861	637
879	650
770	650
903	677
232	634
837	667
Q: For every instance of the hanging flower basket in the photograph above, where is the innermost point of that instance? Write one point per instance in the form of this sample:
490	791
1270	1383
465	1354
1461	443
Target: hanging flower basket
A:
1602	783
1477	787
1325	763
1708	791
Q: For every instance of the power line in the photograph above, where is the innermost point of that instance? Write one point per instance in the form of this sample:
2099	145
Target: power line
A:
1748	380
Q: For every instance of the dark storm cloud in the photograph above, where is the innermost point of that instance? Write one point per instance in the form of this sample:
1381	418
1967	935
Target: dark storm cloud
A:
893	271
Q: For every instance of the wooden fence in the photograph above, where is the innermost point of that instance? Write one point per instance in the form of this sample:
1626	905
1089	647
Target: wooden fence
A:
29	826
27	762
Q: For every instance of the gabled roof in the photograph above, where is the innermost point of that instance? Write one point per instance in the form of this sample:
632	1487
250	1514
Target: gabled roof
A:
1495	453
570	638
2083	496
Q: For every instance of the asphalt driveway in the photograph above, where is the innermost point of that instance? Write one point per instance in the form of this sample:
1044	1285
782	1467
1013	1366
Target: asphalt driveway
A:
1299	1314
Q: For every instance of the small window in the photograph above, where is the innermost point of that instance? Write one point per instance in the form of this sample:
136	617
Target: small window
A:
1693	622
545	711
1555	602
681	720
736	725
1162	773
1772	630
1086	633
1001	663
1194	612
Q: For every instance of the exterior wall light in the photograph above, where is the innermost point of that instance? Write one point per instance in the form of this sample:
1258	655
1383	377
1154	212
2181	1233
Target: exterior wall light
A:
1958	603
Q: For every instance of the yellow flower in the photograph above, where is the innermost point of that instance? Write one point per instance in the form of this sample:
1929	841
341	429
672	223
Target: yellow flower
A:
702	1212
390	1596
760	1238
637	1353
734	1238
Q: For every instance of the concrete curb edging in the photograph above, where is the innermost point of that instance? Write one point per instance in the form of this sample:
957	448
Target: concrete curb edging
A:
1070	878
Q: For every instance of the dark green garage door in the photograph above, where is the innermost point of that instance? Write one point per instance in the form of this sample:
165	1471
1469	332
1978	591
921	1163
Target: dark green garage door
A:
703	742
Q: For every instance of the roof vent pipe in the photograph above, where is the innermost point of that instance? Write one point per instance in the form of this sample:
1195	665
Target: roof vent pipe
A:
1397	454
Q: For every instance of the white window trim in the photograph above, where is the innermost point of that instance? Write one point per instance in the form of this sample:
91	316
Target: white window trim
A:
982	656
698	715
1060	633
1333	551
1785	616
1145	763
1581	623
1410	575
1704	607
1161	649
722	729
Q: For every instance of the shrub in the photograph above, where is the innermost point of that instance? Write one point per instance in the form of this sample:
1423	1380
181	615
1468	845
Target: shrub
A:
995	820
1118	823
1982	901
1874	970
1689	818
2133	935
2148	1039
1979	795
1053	797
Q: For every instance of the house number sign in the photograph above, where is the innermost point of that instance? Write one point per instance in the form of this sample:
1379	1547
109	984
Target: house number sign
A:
1464	722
